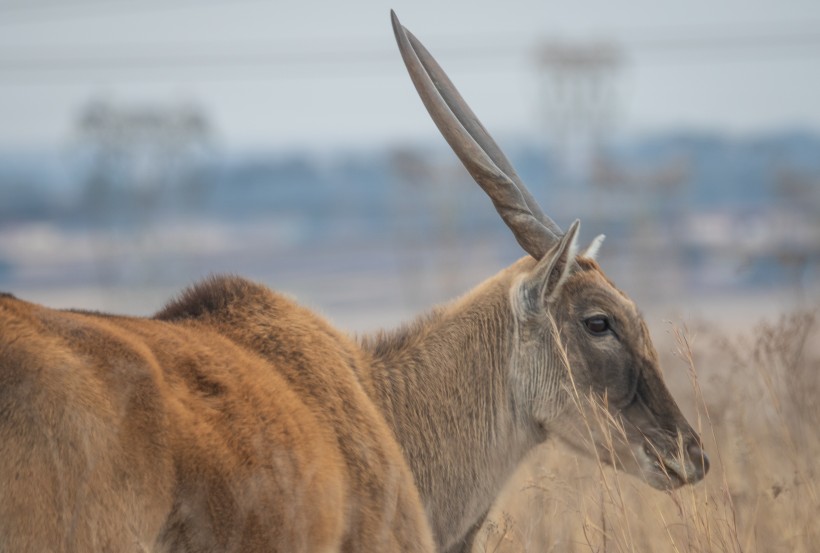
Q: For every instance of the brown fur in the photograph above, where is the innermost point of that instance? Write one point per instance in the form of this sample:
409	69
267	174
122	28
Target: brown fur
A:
233	421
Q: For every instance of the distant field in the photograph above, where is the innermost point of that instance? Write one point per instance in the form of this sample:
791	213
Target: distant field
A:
754	393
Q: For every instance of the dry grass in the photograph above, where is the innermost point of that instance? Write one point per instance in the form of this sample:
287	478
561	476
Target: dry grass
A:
755	400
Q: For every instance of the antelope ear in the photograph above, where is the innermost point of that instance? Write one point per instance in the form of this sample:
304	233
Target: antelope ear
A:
592	250
543	283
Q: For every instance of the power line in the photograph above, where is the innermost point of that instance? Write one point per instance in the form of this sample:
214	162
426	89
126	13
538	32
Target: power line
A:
60	10
134	62
726	39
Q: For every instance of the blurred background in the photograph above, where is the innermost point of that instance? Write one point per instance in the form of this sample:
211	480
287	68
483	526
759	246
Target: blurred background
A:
146	144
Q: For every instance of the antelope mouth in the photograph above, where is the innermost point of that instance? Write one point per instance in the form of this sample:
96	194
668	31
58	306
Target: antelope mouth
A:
667	471
662	471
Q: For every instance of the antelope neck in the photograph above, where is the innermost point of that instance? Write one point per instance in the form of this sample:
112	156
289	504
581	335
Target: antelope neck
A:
443	385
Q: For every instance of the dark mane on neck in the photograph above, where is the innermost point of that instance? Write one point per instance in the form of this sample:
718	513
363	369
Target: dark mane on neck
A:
385	343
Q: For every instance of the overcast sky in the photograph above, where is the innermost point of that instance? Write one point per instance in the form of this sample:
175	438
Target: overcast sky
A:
325	74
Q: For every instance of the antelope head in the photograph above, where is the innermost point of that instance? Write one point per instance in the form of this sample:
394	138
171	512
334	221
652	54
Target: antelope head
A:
581	351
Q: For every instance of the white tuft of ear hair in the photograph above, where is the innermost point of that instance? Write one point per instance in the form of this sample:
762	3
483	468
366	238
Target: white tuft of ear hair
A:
592	250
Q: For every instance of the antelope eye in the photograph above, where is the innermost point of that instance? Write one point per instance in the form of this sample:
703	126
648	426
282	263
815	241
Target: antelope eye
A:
597	325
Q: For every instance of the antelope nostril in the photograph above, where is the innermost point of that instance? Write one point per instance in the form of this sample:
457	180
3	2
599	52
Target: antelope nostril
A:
698	457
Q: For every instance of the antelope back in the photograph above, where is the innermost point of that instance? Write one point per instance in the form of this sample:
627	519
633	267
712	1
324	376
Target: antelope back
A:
233	421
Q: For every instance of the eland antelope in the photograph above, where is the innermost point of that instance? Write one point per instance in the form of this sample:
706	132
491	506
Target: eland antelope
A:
236	420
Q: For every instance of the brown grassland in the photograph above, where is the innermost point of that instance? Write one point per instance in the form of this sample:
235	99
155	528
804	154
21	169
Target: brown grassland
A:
755	398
